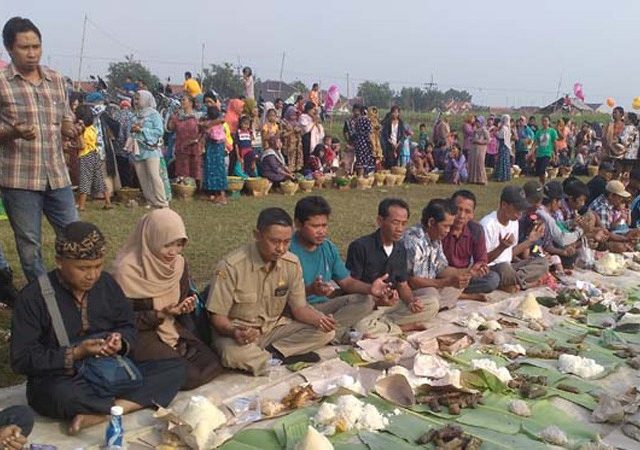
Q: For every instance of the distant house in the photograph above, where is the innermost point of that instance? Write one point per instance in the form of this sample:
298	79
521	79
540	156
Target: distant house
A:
272	89
456	107
567	104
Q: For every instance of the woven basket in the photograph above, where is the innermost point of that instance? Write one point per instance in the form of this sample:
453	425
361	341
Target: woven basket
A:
125	194
289	187
400	177
183	191
258	187
378	178
552	172
235	184
398	170
592	170
390	180
306	185
423	179
433	177
363	183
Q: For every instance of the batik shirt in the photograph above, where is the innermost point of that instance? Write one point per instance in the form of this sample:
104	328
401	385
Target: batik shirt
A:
425	257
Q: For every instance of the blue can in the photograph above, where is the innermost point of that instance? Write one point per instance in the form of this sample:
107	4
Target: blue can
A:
115	433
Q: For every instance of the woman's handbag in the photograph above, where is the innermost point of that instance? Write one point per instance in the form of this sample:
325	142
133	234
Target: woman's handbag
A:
107	376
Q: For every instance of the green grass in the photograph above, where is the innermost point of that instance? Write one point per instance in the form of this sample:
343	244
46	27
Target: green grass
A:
215	230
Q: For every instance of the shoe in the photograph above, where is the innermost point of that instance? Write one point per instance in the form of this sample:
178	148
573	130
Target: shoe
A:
8	292
310	357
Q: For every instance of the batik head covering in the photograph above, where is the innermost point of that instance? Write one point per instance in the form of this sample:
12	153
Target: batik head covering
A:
81	240
481	121
142	273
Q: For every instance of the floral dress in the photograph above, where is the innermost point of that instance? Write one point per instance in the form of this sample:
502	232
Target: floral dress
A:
363	147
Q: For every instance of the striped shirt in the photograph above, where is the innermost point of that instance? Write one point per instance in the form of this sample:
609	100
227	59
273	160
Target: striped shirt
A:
39	164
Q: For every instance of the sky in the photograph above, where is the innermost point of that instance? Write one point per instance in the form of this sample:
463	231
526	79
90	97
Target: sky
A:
505	53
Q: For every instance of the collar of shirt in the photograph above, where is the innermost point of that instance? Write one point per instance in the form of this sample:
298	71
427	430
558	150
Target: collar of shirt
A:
257	263
377	236
44	73
466	234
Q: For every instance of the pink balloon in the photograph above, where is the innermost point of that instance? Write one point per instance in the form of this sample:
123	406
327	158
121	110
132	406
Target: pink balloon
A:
577	91
332	98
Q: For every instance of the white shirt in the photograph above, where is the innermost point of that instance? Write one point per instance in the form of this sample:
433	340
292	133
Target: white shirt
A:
493	230
388	249
394	133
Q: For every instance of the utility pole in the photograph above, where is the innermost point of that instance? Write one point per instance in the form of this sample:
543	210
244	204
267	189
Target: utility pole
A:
281	72
431	85
348	87
84	33
202	61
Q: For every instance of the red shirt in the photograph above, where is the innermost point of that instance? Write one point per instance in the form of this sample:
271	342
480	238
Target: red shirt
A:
467	249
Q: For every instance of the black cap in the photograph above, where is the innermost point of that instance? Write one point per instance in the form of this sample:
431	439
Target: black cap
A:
514	195
553	190
533	191
607	165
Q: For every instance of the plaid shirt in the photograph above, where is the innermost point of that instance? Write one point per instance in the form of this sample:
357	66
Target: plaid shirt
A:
604	210
425	258
39	164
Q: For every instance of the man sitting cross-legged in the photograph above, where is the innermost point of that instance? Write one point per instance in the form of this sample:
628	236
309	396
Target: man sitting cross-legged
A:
322	266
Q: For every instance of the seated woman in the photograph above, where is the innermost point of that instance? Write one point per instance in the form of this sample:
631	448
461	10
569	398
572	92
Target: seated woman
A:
272	164
154	275
98	322
456	166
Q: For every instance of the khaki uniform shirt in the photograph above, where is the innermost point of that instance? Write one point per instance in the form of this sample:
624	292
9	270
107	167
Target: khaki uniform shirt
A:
249	295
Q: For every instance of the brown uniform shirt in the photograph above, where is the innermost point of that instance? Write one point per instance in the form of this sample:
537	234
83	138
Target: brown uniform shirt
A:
249	295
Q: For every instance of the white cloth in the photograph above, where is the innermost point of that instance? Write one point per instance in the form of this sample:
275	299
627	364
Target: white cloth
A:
493	230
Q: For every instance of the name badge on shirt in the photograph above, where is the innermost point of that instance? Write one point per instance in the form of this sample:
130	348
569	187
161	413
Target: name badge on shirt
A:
281	290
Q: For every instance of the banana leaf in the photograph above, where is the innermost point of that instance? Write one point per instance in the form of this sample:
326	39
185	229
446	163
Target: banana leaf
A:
253	439
599	319
384	441
292	427
482	380
351	357
494	415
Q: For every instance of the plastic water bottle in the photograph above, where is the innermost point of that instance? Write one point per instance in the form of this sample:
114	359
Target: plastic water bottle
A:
115	432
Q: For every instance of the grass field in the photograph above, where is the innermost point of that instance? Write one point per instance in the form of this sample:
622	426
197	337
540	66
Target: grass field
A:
215	230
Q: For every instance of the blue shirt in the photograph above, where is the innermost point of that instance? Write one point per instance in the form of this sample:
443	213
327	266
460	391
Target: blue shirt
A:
324	261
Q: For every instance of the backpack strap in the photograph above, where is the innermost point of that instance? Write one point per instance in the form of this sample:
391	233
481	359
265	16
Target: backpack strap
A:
49	296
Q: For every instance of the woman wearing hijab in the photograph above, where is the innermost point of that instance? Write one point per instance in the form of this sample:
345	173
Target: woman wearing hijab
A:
232	116
154	275
292	139
147	130
188	147
481	137
503	165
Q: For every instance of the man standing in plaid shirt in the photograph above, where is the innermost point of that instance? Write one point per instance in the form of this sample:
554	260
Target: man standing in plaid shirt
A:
34	117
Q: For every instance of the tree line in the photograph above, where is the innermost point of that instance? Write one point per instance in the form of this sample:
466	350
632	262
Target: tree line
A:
226	80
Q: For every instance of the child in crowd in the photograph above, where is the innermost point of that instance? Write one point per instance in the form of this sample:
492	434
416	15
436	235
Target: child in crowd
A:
335	147
317	161
492	146
91	175
580	163
270	127
423	137
330	157
348	159
422	161
405	148
456	166
244	154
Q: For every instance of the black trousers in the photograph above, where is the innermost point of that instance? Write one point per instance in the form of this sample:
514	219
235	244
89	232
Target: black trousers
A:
64	397
19	415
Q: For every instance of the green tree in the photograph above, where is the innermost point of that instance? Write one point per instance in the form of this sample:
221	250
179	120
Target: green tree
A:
224	80
376	94
454	94
118	72
299	87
